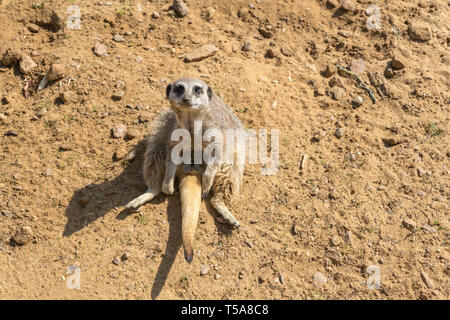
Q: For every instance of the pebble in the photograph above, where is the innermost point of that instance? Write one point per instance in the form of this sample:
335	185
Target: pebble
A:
429	228
270	53
131	134
332	3
23	235
117	95
391	141
409	224
428	281
357	102
330	70
3	117
56	72
421	172
398	61
120	153
246	47
335	81
419	31
27	64
319	278
357	67
118	38
286	51
116	261
68	96
33	28
10	57
131	156
319	135
266	32
201	53
389	73
155	15
204	269
125	256
217	276
119	131
180	8
337	93
314	191
348	5
338	133
119	85
11	133
99	49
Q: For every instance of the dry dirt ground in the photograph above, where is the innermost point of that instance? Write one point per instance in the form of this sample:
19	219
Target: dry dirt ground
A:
374	194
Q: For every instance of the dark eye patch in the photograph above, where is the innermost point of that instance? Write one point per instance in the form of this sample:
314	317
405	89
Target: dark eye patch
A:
179	89
198	90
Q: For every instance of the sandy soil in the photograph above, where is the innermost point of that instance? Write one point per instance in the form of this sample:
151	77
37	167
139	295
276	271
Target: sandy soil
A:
377	196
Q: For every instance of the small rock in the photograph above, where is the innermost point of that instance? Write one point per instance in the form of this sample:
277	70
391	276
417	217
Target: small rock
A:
56	72
428	281
348	5
357	67
68	97
246	47
314	191
131	134
100	50
180	8
11	133
48	172
155	15
266	32
119	131
249	243
83	201
201	53
336	81
357	102
3	117
120	153
7	214
334	241
389	73
330	70
398	61
270	53
337	93
10	57
131	156
118	38
204	269
27	64
217	276
117	95
319	278
319	135
33	28
119	85
421	172
332	4
348	237
429	228
23	235
243	12
419	31
338	133
125	256
144	117
116	261
286	51
391	141
409	224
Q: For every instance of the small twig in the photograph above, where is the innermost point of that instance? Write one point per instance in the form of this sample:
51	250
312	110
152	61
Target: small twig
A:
360	81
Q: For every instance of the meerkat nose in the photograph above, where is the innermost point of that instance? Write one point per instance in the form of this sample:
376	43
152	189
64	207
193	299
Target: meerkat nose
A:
187	100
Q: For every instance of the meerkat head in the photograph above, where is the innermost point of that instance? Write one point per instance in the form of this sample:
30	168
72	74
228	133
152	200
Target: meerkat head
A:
189	94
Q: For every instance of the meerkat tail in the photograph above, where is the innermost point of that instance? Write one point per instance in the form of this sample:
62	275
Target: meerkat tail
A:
219	205
190	194
143	198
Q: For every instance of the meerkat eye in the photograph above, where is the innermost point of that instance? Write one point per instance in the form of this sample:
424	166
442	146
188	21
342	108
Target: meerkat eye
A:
197	90
179	89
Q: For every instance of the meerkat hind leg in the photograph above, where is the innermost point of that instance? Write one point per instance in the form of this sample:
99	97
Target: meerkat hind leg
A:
143	198
219	205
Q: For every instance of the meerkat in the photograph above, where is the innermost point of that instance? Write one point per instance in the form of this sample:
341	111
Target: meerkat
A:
191	100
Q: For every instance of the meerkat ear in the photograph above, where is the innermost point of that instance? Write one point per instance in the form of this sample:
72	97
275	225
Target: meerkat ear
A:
169	87
209	93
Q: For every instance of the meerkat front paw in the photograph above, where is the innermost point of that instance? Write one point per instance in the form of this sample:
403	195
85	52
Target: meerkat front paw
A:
168	188
206	187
